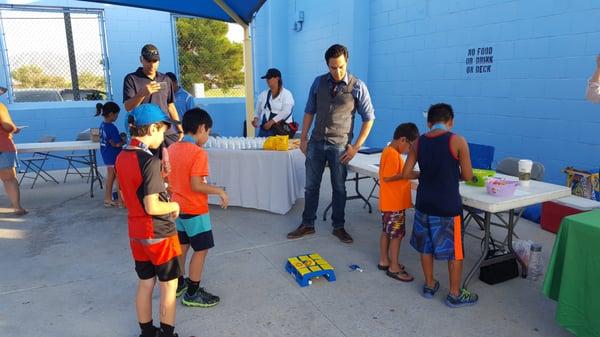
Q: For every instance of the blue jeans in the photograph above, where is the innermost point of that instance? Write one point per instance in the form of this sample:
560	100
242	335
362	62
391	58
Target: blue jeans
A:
318	154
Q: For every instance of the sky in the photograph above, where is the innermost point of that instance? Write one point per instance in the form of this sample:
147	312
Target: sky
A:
236	33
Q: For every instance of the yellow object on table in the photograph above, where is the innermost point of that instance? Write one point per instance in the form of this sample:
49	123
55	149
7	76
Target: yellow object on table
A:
277	143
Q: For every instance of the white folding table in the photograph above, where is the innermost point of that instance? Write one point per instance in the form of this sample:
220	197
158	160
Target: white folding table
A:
477	198
47	148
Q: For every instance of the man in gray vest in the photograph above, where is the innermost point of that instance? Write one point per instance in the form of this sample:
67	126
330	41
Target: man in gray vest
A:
333	101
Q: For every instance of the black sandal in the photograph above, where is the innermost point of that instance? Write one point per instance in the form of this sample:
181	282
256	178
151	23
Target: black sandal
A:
407	277
386	268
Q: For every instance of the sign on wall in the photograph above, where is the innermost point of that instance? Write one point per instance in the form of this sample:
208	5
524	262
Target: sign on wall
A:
479	60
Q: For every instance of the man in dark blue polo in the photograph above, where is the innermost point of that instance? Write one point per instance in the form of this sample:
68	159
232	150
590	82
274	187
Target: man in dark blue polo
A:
333	101
148	85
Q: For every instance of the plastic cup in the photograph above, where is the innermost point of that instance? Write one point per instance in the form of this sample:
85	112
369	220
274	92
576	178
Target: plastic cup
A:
525	166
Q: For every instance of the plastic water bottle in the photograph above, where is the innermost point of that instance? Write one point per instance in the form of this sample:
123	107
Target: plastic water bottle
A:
536	266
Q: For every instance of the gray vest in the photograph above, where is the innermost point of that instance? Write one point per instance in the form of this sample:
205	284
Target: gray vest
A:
335	114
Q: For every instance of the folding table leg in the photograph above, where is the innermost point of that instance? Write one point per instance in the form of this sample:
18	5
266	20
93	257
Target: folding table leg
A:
41	173
24	172
98	174
372	191
511	227
486	246
358	195
94	174
91	174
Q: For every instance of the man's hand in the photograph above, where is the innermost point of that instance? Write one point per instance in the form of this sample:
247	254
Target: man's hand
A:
180	136
255	122
349	154
17	131
224	199
151	88
304	146
268	125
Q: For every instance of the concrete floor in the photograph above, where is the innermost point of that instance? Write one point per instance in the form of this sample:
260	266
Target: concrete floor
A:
67	271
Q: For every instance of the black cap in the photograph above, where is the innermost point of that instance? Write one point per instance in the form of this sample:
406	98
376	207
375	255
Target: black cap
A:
150	53
273	72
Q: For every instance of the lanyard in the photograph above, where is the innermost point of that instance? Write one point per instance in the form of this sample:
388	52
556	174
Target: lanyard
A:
136	144
439	126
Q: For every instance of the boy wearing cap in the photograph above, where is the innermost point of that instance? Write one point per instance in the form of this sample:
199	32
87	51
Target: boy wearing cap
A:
189	187
152	233
273	105
148	85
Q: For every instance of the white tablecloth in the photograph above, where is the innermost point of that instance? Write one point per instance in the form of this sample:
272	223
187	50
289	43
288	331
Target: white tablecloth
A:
266	180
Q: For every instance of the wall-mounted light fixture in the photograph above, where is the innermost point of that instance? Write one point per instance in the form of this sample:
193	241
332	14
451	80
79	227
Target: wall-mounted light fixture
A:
299	21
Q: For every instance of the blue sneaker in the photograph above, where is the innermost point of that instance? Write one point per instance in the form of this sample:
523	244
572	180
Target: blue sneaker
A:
430	292
464	299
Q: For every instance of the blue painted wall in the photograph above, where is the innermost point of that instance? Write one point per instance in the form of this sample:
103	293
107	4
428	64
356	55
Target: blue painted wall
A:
412	53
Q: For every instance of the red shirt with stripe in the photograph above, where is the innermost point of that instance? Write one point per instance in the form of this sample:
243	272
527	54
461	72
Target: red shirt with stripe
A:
139	174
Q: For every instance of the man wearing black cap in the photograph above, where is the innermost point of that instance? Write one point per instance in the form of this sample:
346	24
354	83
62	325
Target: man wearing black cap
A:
273	105
147	85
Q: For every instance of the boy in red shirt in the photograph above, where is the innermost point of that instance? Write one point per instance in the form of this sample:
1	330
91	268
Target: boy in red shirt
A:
150	215
394	199
188	184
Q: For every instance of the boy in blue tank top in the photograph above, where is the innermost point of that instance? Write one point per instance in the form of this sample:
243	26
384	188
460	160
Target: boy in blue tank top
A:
443	159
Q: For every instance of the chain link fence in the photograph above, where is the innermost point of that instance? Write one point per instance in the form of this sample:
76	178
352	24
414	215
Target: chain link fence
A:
210	63
54	55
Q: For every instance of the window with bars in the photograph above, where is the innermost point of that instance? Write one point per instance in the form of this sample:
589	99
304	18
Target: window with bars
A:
54	54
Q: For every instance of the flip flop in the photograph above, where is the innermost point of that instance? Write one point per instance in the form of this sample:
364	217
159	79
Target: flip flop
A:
397	276
386	268
109	204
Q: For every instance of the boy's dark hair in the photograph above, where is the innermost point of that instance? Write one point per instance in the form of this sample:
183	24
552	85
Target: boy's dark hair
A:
336	51
172	76
408	131
106	108
440	113
193	118
139	130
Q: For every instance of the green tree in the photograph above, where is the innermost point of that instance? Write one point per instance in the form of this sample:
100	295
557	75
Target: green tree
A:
88	80
33	76
207	56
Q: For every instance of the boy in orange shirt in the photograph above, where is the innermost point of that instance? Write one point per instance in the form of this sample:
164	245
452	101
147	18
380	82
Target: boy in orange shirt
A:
189	187
394	199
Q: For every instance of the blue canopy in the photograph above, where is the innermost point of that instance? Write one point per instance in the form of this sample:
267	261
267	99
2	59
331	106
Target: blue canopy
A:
245	9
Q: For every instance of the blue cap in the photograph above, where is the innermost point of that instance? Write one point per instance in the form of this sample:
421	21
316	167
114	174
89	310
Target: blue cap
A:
149	113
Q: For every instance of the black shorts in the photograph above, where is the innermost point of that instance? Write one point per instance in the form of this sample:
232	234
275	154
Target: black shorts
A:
198	242
167	271
195	230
